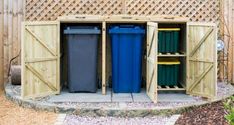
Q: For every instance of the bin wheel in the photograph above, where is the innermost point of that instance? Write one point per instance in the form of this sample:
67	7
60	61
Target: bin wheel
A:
110	82
99	84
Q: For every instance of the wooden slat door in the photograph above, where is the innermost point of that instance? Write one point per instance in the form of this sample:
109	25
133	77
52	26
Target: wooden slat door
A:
151	65
202	60
40	59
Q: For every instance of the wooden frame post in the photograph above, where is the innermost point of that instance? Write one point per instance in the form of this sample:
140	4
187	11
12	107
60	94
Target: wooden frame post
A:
103	58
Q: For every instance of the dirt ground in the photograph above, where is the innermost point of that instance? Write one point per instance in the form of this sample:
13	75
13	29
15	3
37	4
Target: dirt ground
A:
12	114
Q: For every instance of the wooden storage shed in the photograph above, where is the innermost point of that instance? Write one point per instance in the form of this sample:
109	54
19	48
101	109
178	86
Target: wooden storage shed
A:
41	42
12	13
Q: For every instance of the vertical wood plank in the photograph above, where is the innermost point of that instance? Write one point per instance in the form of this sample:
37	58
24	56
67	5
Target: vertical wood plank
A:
10	32
104	58
226	40
23	73
5	38
230	49
151	65
19	21
58	58
225	15
1	44
231	39
215	90
15	44
221	74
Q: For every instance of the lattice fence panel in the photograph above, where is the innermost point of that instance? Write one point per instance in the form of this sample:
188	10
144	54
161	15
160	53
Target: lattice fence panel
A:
196	10
37	10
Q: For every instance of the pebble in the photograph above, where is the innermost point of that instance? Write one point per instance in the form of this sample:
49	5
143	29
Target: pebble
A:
75	120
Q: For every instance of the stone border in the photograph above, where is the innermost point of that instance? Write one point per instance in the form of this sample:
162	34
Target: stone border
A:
105	111
173	120
60	119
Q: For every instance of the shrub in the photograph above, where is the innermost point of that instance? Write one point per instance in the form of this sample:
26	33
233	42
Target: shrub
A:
229	106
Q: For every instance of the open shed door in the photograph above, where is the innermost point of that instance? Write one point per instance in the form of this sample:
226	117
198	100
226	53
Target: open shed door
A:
151	65
202	60
40	59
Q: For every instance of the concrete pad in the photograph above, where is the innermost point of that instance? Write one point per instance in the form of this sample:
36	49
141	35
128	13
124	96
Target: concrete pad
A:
117	109
122	97
141	97
175	97
81	97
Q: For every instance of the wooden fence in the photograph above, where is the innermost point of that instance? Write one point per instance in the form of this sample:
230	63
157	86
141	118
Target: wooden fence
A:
226	58
11	16
196	10
12	12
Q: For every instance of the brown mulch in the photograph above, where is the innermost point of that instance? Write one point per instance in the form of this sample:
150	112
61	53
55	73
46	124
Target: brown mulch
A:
212	114
12	114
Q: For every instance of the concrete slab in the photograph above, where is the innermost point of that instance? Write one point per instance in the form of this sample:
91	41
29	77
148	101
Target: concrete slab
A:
141	97
81	97
65	96
122	97
118	109
175	97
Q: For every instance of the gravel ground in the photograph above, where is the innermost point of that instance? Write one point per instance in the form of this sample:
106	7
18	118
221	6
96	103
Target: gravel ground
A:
208	115
11	114
212	114
224	89
76	120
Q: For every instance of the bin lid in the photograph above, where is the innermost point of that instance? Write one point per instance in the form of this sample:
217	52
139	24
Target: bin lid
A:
126	29
168	61
82	30
168	29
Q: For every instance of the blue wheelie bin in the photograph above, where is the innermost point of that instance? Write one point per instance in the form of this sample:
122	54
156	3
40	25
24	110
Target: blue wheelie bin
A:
126	45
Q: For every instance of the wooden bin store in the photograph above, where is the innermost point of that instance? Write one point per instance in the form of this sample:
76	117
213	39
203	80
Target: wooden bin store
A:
41	54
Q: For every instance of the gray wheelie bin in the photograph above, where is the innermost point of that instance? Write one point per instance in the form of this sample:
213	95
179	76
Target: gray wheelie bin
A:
82	45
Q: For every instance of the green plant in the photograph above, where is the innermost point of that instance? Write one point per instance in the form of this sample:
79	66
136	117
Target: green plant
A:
229	106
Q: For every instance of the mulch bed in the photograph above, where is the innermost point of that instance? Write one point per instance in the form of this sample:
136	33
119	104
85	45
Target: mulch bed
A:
212	114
